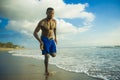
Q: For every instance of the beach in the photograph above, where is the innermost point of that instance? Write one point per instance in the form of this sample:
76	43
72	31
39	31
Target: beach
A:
25	68
8	49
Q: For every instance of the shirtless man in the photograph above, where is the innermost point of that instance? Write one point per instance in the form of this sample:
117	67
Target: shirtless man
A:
48	37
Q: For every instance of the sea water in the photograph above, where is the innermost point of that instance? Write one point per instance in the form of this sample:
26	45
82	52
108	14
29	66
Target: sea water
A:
94	61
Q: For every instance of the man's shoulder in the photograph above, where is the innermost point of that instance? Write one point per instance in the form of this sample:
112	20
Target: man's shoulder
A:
43	20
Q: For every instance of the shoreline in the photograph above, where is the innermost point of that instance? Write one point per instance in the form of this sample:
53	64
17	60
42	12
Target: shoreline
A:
24	68
8	49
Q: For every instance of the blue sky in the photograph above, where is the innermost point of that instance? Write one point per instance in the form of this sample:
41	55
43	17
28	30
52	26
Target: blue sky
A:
106	11
97	22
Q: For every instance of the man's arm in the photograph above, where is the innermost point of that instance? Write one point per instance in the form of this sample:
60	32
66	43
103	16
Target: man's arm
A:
37	29
55	33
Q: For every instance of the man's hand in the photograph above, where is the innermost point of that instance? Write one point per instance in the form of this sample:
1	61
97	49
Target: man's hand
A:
56	40
41	45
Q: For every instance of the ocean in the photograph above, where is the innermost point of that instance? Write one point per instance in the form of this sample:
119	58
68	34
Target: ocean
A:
93	61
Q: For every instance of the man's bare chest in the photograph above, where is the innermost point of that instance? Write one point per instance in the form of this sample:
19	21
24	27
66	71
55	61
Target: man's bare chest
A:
48	25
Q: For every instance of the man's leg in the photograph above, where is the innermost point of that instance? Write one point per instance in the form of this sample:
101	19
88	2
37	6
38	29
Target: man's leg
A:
46	64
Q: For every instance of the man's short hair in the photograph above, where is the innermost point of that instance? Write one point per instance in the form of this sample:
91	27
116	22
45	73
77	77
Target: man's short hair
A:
49	8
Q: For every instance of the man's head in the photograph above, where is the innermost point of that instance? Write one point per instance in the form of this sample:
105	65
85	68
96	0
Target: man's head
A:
50	13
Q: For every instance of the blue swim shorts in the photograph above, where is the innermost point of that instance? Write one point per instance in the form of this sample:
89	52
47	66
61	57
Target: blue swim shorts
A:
49	45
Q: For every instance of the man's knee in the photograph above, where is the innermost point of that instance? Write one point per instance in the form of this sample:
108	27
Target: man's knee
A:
53	54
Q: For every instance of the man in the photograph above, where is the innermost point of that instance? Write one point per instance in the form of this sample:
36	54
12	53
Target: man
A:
48	36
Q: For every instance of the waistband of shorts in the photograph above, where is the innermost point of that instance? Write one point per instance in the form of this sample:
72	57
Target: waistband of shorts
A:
47	37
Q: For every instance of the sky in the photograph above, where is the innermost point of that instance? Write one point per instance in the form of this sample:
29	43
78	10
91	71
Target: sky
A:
79	22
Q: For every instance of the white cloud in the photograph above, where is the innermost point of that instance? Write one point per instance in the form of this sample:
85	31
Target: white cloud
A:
112	37
25	14
65	27
34	9
25	27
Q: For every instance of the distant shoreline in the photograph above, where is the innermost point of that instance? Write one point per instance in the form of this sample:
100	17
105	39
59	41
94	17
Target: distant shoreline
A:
6	49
